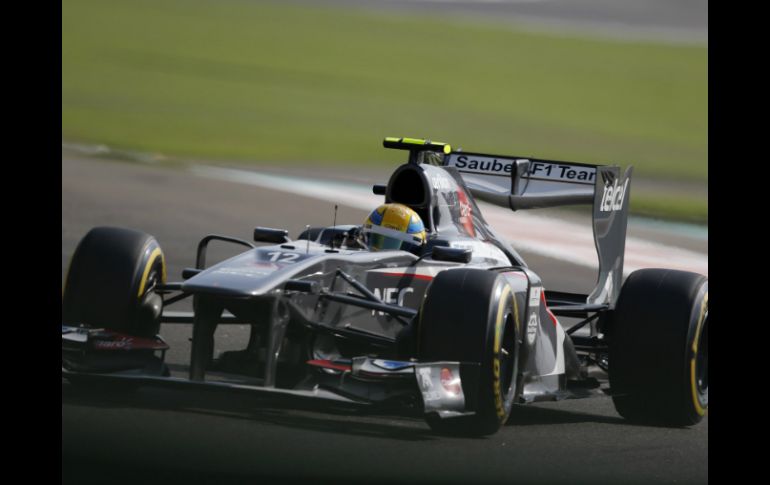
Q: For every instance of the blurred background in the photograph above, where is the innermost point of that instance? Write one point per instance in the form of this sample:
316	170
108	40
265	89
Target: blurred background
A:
322	82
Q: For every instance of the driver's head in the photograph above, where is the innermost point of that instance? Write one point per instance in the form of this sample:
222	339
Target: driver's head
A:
393	226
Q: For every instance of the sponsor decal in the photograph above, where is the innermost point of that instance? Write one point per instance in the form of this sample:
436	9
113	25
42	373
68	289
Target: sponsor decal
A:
534	296
478	164
440	386
109	341
423	378
393	296
450	383
532	325
121	343
441	390
461	210
441	182
561	172
243	271
612	198
466	213
538	170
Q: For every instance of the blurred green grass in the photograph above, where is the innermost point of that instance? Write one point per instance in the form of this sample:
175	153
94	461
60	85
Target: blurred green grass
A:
674	207
261	81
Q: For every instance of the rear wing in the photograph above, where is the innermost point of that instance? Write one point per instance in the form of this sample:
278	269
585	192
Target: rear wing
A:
524	183
527	183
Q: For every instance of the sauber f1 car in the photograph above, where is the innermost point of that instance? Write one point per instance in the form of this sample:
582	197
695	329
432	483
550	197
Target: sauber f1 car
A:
460	329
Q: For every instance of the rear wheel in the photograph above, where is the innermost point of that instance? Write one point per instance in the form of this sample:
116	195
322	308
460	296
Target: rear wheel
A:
658	361
111	282
469	315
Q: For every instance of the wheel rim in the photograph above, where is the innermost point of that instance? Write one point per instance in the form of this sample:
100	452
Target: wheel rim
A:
507	355
702	359
152	280
146	321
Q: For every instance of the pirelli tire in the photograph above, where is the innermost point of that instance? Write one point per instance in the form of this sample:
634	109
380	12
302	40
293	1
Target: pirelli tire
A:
111	280
658	353
470	315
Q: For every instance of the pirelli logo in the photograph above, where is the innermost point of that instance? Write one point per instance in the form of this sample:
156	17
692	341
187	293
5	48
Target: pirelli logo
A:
538	169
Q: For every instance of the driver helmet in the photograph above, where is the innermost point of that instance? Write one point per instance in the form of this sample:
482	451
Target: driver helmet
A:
393	226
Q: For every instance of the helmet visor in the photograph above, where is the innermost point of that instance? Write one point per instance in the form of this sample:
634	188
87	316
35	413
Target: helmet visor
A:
378	242
382	238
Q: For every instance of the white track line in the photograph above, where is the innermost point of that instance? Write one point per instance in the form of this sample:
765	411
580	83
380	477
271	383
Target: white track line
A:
547	236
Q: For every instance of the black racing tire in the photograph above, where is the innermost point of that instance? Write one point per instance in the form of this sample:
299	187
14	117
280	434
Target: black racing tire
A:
658	352
111	279
465	314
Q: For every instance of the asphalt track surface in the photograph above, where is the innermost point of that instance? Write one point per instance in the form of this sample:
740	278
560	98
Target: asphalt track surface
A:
172	436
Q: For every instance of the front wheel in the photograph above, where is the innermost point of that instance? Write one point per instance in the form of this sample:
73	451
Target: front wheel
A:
111	280
471	315
658	360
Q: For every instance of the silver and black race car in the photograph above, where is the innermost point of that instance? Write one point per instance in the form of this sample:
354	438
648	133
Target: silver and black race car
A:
460	330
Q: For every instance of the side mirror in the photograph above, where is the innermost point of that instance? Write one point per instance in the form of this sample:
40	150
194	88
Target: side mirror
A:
266	234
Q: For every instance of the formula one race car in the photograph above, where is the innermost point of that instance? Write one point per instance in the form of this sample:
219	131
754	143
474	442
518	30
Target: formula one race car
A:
440	315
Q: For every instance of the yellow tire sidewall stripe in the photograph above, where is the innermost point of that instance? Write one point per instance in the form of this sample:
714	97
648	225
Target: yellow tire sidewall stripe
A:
496	378
154	255
693	382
